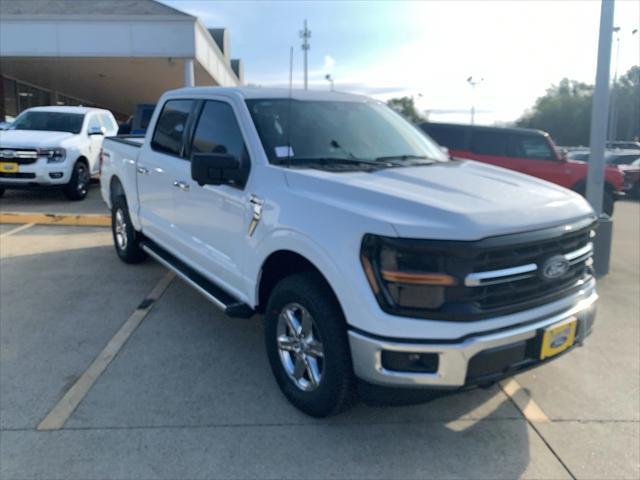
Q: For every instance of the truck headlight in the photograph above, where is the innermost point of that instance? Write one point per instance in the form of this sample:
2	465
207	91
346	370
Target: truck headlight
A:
403	275
54	155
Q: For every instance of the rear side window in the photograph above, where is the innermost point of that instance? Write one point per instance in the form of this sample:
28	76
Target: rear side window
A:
218	131
169	133
450	137
489	143
94	122
531	146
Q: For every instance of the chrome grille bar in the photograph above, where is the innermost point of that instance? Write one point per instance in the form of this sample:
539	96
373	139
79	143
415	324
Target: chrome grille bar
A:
494	277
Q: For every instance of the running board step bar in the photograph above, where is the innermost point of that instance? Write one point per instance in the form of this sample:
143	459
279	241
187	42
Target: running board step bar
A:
221	299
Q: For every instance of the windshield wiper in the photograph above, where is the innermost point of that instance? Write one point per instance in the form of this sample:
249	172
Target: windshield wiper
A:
339	160
390	158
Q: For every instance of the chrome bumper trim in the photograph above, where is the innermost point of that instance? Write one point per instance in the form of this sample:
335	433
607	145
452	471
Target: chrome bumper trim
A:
366	352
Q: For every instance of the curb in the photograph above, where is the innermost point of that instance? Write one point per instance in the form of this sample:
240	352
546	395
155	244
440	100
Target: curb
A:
88	220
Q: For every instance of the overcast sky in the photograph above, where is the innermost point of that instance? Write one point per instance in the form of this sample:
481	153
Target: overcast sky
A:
425	48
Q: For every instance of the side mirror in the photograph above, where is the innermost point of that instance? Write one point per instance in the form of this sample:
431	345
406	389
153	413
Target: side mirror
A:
563	155
217	169
96	131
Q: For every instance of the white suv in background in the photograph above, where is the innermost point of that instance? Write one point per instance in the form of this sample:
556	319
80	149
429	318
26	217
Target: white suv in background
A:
54	147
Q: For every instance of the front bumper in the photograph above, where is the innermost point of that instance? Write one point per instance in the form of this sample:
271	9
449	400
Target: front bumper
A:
477	359
39	173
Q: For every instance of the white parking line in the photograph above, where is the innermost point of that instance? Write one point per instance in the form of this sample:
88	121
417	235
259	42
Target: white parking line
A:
523	401
67	405
16	230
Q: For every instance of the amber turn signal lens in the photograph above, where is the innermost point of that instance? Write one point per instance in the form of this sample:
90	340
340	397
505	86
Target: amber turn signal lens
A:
440	279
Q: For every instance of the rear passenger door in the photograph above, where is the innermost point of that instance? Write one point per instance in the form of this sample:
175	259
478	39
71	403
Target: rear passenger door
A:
158	166
212	219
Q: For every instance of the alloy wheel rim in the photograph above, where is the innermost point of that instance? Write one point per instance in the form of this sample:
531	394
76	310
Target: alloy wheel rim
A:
82	179
300	347
120	228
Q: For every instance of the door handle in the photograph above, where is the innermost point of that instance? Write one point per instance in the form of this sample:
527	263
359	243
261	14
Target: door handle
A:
143	170
182	185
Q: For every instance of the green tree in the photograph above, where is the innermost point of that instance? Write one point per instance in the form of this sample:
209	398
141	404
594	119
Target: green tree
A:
407	108
565	110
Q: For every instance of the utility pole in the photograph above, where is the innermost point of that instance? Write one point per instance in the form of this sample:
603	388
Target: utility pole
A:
473	82
290	69
305	35
329	79
613	114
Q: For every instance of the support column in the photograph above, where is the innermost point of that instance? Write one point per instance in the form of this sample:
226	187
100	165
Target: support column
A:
189	75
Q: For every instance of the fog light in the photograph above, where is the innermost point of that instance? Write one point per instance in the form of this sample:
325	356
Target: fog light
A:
56	174
410	361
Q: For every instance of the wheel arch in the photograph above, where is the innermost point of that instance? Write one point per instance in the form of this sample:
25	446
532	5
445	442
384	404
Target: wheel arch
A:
280	264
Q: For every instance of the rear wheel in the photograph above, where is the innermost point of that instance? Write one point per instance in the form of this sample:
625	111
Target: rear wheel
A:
307	345
78	185
126	239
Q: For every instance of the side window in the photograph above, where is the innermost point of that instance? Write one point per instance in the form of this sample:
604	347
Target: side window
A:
450	137
218	131
534	147
108	123
489	143
94	122
168	135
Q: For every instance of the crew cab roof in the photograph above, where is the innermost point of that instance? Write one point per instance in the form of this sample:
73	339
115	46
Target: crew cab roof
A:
249	93
486	128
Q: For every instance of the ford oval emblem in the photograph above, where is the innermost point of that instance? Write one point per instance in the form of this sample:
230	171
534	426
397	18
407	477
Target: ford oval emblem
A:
554	267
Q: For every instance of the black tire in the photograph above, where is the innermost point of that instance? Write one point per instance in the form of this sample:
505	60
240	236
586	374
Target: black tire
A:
126	239
78	185
608	203
335	390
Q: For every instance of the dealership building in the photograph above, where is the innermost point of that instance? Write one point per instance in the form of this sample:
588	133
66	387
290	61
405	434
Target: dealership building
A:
113	54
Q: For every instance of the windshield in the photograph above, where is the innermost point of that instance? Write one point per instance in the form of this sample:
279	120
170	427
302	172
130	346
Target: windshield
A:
358	133
49	121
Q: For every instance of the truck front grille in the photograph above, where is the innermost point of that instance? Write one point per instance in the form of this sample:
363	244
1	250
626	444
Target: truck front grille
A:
20	156
507	278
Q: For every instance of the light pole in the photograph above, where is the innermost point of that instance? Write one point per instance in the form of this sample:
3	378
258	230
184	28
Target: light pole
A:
329	78
305	35
613	116
473	82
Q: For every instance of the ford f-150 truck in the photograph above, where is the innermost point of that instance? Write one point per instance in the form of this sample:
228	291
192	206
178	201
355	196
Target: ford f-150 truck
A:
54	147
375	260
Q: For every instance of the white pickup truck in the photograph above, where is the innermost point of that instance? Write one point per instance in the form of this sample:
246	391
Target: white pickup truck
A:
54	147
375	259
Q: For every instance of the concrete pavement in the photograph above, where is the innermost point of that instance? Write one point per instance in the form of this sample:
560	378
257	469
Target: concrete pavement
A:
190	395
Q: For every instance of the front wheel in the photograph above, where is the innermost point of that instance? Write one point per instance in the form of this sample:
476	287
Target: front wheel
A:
125	238
78	185
307	345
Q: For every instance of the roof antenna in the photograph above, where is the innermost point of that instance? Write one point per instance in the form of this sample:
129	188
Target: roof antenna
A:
289	149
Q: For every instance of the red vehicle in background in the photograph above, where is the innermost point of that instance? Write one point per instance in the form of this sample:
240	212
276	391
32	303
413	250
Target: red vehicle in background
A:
526	151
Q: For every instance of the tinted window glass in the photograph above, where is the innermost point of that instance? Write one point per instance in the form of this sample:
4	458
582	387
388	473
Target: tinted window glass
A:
450	137
49	121
169	133
218	131
531	146
489	143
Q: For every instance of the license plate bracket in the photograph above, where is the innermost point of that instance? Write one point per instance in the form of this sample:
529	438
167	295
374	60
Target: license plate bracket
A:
8	167
558	337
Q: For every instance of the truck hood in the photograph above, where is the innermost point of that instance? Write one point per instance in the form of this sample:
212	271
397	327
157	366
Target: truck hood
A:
457	200
33	138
